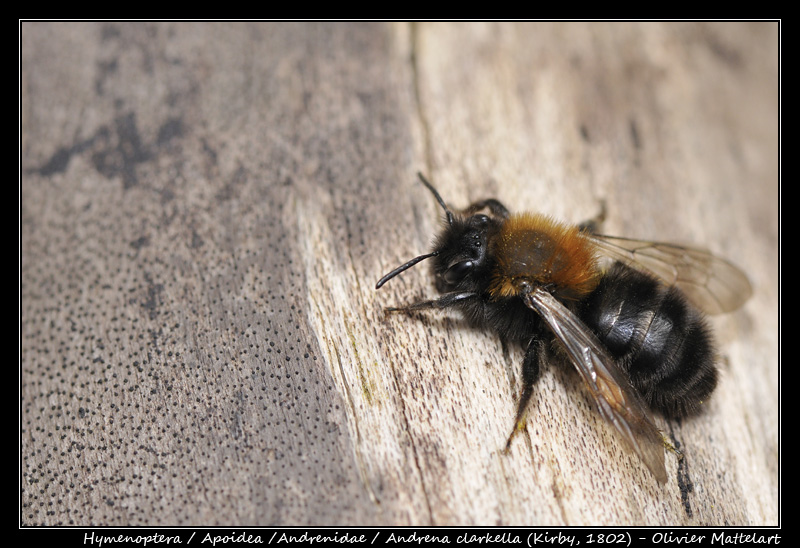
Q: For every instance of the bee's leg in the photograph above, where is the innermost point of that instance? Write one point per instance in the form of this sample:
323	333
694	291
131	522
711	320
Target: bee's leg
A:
670	447
447	300
592	226
530	374
495	207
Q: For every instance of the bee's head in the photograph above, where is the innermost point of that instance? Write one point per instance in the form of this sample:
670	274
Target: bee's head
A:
460	249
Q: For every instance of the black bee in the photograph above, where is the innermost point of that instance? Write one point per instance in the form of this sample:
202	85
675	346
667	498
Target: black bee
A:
627	327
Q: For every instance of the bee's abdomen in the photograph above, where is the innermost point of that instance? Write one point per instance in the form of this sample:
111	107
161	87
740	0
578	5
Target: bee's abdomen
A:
656	336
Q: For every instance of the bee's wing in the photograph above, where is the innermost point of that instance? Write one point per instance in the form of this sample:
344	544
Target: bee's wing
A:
713	284
616	399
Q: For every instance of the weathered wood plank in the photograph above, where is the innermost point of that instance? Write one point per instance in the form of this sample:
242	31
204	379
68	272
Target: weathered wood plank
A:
205	209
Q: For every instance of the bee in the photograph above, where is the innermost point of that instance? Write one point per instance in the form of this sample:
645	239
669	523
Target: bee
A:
626	313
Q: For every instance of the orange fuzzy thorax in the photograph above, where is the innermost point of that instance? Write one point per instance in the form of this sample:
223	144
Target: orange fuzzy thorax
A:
538	250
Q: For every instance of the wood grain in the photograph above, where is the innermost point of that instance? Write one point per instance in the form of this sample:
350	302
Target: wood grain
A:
205	209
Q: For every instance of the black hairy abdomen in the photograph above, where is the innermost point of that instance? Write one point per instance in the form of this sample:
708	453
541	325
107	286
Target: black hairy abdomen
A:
656	336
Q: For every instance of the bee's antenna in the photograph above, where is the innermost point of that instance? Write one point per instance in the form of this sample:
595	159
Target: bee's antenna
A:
404	267
412	262
438	198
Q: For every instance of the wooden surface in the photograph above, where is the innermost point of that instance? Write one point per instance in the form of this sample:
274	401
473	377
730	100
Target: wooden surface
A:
205	210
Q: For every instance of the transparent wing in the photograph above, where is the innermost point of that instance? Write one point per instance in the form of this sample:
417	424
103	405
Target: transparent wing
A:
713	284
617	401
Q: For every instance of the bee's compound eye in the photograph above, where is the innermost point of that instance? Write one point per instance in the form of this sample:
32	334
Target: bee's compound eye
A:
458	271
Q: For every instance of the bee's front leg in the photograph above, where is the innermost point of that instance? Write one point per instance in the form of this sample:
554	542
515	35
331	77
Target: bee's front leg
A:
445	301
